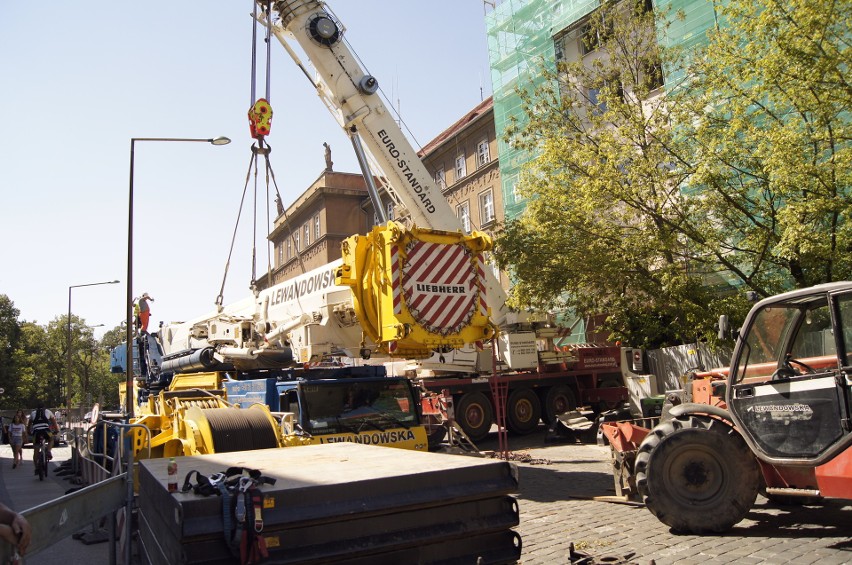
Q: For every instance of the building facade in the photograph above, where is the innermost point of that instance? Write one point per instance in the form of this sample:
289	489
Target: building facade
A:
308	233
463	162
524	35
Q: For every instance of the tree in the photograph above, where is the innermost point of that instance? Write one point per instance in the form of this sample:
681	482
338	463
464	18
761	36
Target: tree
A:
32	379
644	206
114	337
771	116
604	230
10	333
90	370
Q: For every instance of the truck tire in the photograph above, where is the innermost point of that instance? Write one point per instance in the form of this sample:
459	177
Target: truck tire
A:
475	415
696	474
523	411
558	400
603	405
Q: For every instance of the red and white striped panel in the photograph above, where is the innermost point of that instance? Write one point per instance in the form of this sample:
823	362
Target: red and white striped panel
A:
440	286
396	280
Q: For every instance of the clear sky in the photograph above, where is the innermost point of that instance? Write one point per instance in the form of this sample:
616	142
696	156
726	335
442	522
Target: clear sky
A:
81	78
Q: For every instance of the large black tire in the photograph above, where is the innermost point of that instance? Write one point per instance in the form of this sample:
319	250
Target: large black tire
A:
557	400
523	411
696	474
42	465
603	405
475	415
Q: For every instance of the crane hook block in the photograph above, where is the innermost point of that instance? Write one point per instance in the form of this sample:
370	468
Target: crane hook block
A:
260	118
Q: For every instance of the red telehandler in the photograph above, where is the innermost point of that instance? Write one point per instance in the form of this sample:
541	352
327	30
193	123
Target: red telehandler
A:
776	421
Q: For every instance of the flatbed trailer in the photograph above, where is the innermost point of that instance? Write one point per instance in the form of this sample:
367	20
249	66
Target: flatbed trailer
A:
592	377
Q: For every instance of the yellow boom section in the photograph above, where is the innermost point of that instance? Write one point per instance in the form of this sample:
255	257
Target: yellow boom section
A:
418	290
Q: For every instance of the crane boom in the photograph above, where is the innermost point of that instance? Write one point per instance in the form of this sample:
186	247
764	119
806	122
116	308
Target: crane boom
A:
351	95
411	290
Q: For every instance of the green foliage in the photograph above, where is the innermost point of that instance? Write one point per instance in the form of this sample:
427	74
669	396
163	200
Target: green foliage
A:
653	208
10	332
113	338
770	106
34	362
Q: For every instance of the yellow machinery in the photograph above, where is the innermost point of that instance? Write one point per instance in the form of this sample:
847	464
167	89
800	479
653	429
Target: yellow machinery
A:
200	414
417	290
193	417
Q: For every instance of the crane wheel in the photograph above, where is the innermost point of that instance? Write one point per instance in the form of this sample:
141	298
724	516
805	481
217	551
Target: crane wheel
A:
558	399
696	474
523	411
475	415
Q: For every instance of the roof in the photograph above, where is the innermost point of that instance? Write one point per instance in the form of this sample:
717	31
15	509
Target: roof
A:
468	118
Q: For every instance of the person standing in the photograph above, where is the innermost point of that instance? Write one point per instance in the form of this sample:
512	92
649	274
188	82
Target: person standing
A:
144	312
17	429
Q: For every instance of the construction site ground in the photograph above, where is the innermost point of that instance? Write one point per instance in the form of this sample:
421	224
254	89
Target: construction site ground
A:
565	498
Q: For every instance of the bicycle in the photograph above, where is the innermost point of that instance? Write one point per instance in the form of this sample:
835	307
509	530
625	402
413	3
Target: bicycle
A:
40	458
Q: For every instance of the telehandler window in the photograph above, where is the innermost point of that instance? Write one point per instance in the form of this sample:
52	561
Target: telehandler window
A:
845	323
765	341
814	338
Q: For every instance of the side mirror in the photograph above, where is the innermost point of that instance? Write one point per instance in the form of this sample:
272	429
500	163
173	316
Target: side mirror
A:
724	326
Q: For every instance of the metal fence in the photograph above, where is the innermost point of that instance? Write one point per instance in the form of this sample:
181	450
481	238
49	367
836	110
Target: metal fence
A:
671	363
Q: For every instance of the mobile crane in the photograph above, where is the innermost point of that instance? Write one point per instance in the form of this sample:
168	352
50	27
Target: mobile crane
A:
403	291
381	300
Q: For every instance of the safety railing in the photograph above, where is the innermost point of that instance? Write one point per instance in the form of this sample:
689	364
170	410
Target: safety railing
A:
106	493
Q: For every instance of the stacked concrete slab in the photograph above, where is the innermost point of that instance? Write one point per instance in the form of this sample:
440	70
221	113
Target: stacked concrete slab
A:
343	503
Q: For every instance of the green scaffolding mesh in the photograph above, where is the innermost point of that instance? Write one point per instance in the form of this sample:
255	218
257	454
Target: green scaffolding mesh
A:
521	42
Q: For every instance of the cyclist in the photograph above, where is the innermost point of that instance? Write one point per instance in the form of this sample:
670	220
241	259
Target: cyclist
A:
42	424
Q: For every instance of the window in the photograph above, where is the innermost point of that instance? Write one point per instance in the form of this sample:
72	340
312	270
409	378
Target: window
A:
483	155
463	213
653	75
316	227
594	35
280	254
440	180
486	207
289	249
296	245
307	231
461	169
516	195
612	88
375	218
390	211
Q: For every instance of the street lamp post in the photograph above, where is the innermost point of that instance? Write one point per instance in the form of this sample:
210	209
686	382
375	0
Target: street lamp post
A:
128	390
68	352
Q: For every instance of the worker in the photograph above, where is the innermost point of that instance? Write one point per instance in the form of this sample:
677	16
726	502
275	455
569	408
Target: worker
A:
14	529
143	312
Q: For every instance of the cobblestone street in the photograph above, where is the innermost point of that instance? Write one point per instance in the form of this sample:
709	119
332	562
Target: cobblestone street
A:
557	510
